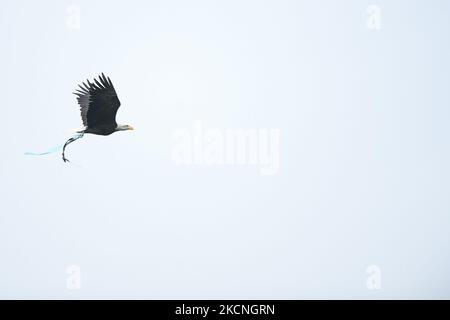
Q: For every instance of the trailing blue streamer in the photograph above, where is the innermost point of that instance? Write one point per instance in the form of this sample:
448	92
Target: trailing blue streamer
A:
51	150
57	148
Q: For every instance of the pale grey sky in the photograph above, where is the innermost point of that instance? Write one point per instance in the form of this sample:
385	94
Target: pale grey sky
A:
363	151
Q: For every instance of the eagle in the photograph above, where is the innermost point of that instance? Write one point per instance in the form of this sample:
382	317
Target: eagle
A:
98	103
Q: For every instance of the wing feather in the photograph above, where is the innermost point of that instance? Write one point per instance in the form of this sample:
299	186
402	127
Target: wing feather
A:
98	102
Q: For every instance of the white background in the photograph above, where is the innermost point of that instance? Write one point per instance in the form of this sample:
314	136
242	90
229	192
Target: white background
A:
364	126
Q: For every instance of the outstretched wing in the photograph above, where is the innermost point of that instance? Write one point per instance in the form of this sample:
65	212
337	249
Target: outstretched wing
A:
98	102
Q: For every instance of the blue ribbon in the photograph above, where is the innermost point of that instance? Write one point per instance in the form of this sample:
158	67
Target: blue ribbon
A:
51	150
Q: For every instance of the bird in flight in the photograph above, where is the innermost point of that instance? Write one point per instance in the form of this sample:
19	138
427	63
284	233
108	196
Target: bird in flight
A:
98	105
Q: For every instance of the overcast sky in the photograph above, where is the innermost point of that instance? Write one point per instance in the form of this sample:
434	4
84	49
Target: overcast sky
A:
359	206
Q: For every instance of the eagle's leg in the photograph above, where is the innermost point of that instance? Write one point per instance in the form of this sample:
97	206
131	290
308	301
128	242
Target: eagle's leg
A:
74	138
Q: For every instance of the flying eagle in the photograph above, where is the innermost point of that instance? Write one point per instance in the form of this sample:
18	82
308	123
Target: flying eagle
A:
98	105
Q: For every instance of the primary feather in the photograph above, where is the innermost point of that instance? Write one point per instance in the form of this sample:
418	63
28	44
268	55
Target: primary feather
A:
98	105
